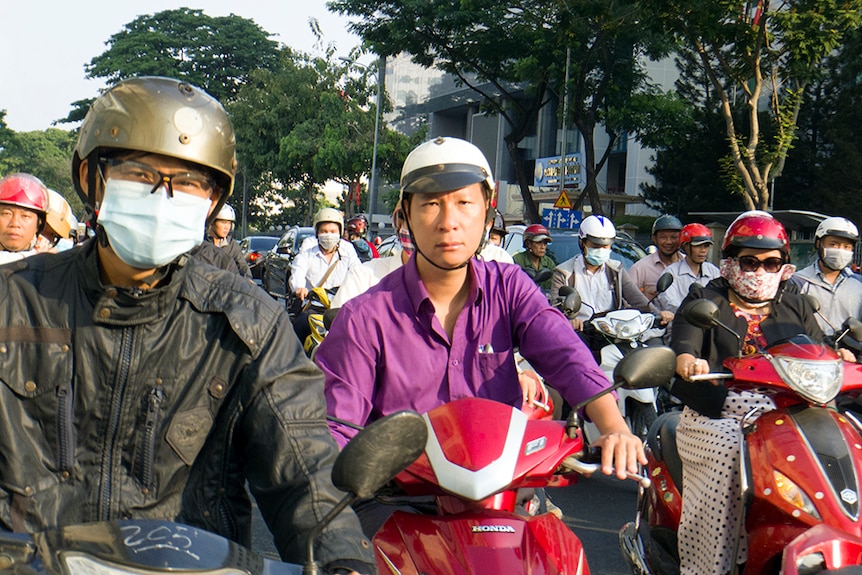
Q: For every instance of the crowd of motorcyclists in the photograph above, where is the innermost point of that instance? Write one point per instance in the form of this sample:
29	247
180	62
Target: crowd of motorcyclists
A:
144	375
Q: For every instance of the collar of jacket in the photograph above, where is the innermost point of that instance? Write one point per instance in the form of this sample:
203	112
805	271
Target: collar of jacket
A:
121	306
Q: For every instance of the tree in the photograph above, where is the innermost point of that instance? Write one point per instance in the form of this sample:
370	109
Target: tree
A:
45	154
215	53
513	55
824	167
763	54
304	122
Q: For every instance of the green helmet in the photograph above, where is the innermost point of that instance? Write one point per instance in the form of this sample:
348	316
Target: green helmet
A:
158	116
666	222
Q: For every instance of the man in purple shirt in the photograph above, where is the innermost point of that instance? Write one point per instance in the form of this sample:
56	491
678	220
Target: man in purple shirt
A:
445	325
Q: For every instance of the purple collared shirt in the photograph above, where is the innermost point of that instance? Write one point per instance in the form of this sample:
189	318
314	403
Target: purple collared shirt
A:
387	351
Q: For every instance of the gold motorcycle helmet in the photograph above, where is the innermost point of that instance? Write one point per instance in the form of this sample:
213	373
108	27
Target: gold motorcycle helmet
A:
159	116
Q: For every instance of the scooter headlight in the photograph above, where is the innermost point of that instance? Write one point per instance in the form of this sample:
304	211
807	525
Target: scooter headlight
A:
818	381
629	329
793	494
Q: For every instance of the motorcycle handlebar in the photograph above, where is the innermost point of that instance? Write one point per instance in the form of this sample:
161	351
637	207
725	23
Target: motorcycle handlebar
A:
708	376
586	469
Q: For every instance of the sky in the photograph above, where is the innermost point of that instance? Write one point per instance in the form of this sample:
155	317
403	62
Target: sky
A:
44	45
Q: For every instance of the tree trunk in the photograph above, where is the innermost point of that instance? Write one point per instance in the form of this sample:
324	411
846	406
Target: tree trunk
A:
592	187
531	212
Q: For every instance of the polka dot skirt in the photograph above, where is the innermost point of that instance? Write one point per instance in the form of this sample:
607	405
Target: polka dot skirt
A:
709	449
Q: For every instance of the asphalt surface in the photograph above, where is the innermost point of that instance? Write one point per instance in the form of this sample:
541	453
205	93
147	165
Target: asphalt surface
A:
594	509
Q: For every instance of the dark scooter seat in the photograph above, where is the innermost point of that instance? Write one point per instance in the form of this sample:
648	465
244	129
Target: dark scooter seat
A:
661	440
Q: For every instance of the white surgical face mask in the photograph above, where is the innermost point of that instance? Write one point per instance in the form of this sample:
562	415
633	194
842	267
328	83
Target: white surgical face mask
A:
147	230
836	258
328	241
598	256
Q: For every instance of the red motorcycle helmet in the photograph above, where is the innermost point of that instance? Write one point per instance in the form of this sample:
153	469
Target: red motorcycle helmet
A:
537	233
24	191
358	225
755	229
695	234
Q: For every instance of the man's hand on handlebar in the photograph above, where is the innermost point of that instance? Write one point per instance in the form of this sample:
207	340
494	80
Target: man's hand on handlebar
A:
621	449
534	391
577	323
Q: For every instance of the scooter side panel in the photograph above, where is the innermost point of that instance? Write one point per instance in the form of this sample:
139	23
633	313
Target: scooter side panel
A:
815	457
478	544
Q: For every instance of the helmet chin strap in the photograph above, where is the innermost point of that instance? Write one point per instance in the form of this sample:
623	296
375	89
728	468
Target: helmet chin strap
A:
432	262
429	260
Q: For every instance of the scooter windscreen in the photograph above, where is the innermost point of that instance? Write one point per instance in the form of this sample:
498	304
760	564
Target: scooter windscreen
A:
144	547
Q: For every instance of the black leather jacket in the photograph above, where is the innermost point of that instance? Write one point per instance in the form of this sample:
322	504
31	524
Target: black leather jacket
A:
120	403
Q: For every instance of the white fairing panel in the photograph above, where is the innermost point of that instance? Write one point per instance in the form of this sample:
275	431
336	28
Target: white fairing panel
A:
482	483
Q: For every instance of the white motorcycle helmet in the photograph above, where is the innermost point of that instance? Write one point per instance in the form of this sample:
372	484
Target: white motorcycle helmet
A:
839	227
329	215
443	165
226	213
598	229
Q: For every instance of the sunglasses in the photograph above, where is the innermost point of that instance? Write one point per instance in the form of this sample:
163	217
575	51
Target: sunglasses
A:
752	264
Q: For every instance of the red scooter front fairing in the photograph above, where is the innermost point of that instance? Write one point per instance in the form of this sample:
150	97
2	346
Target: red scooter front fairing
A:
479	452
802	469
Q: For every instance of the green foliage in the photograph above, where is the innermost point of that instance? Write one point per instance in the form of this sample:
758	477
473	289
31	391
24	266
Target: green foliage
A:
302	123
513	55
824	168
691	171
45	154
755	54
216	54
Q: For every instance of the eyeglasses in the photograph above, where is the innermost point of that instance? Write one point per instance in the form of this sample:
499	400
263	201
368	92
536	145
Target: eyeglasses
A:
752	264
191	182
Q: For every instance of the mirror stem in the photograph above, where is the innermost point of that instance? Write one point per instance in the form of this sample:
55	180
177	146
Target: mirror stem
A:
310	567
571	425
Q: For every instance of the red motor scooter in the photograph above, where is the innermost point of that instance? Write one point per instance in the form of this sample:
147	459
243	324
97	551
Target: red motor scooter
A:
801	465
478	454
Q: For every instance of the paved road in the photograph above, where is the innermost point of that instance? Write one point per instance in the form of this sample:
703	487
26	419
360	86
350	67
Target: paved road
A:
594	509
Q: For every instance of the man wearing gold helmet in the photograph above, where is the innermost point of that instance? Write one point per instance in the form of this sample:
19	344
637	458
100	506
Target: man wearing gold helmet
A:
138	381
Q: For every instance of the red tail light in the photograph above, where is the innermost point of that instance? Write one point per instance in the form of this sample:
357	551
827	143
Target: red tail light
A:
254	256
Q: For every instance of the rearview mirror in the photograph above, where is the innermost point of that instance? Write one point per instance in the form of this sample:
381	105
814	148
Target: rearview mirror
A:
812	301
855	327
571	299
543	275
702	313
646	367
379	452
663	282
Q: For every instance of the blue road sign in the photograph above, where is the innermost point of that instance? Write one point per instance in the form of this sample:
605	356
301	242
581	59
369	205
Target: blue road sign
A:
562	219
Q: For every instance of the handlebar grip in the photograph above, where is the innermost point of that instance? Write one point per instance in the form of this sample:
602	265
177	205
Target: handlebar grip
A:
587	469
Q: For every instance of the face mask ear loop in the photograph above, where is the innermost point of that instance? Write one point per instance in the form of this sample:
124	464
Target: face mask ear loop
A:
93	172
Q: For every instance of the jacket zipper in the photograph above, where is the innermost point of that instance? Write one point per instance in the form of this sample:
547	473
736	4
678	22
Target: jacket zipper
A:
113	425
64	428
227	521
154	406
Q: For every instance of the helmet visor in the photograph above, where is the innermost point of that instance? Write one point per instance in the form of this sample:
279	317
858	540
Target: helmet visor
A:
600	241
441	178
